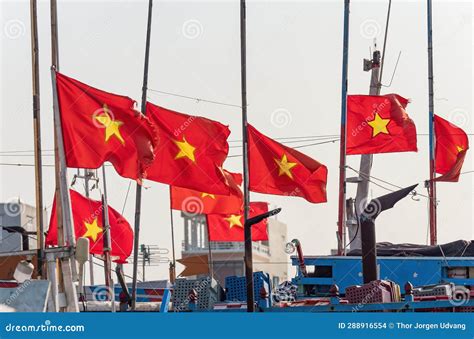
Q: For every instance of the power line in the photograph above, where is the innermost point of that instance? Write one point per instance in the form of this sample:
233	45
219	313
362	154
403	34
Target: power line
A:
195	99
368	177
300	146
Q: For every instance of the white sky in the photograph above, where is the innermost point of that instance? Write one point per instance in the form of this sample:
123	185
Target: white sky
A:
294	66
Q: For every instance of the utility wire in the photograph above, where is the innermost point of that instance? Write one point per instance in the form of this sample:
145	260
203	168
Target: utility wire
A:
193	98
368	177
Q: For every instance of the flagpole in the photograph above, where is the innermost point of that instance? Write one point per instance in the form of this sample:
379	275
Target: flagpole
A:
247	228
55	64
173	264
68	269
107	244
138	197
431	183
342	153
37	137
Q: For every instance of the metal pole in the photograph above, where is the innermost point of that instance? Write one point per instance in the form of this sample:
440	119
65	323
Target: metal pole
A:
37	137
247	228
138	197
57	194
67	266
68	263
91	257
173	263
211	268
106	234
342	152
432	183
55	64
143	262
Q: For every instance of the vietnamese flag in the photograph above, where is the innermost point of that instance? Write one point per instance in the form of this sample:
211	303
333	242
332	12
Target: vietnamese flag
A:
194	202
379	124
98	126
191	153
452	144
87	215
230	227
281	170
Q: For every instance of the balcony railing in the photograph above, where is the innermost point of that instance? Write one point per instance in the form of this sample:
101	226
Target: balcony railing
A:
226	247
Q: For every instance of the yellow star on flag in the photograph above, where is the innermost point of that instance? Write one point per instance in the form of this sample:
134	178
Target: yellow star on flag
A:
379	125
284	167
186	150
112	126
234	220
212	196
459	148
93	230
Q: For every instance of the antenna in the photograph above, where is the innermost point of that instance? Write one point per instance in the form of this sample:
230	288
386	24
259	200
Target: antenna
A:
385	41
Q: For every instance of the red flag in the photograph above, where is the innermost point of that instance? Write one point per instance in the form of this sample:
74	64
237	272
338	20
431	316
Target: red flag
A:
194	202
281	170
98	126
87	215
452	144
379	124
191	153
231	227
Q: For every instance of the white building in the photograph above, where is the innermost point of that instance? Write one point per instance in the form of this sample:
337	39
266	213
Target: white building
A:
228	257
17	226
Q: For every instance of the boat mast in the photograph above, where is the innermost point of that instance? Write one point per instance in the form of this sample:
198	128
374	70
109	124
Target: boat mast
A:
68	269
37	138
431	183
376	67
172	268
247	228
138	198
107	243
342	152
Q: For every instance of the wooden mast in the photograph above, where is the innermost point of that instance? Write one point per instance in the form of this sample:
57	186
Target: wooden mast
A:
37	137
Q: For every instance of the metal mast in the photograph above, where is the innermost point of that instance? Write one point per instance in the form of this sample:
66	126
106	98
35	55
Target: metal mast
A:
431	184
247	228
138	198
342	152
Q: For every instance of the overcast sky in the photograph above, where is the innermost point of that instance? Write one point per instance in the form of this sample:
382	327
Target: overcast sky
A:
294	84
